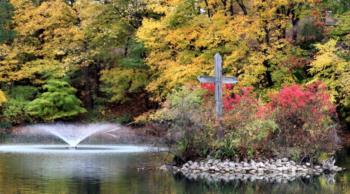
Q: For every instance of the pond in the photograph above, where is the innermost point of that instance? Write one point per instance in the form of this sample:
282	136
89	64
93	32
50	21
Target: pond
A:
134	173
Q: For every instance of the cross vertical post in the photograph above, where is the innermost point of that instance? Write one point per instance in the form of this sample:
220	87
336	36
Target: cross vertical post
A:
218	85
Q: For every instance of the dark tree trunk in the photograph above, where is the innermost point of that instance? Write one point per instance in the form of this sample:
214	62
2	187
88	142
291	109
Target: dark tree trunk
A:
242	6
295	20
267	34
231	8
224	3
208	10
268	76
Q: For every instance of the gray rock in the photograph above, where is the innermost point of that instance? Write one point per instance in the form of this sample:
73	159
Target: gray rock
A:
260	171
252	171
164	168
245	164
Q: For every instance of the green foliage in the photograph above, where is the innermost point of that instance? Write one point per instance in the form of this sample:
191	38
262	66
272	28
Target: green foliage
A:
5	124
227	148
57	102
258	130
186	117
184	13
6	13
182	108
338	6
15	111
123	119
343	25
341	33
119	83
113	49
23	92
126	78
184	98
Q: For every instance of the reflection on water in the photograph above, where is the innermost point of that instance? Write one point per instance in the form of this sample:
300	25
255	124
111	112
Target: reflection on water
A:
124	173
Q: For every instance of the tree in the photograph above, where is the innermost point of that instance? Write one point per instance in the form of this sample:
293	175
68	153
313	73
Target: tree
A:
48	46
57	102
334	71
116	58
251	35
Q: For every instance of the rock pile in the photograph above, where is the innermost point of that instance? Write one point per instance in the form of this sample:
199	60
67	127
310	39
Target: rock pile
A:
278	170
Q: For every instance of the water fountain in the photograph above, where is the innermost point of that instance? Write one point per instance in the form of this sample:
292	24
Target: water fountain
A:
73	135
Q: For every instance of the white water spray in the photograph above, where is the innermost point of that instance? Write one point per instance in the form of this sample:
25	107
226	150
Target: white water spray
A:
73	134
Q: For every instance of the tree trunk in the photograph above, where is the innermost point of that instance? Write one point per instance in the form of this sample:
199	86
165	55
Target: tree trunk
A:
242	6
208	10
268	76
295	21
231	8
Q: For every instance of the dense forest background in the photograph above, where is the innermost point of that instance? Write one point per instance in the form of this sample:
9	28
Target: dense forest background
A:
118	59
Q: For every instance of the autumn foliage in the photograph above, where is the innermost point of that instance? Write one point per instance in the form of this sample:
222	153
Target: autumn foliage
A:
313	98
296	121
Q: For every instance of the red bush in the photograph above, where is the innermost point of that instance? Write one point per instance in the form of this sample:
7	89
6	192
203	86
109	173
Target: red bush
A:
313	100
230	99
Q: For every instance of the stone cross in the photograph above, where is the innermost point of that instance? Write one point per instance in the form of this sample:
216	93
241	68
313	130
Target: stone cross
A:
218	80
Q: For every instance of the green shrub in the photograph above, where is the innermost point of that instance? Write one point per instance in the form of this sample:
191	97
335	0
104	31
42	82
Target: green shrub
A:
5	124
57	102
23	92
227	148
250	140
123	119
15	111
184	113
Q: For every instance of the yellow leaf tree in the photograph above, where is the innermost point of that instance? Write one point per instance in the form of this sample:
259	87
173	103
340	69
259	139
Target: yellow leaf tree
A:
49	45
251	35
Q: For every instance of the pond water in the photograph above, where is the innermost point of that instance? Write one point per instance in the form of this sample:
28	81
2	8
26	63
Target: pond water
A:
133	173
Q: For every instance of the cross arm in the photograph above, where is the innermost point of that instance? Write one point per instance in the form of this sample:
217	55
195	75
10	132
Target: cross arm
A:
210	79
229	80
206	79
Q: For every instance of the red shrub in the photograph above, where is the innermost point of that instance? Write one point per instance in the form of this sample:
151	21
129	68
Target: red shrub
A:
304	118
312	101
230	99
